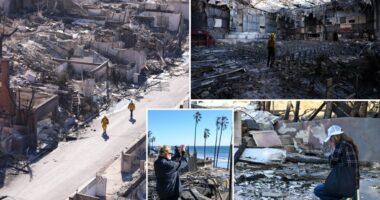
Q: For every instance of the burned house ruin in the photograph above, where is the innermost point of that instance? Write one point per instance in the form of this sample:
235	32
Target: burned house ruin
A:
66	61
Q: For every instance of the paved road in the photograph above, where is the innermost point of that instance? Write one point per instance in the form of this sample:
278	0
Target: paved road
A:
60	173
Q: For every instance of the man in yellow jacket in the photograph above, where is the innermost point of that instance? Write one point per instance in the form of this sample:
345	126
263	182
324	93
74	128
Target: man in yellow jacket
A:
271	50
105	123
131	107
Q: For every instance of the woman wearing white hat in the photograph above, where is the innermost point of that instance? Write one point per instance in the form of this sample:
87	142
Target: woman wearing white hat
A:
343	180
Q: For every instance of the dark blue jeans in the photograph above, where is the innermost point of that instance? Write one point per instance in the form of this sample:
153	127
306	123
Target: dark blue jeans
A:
271	54
318	191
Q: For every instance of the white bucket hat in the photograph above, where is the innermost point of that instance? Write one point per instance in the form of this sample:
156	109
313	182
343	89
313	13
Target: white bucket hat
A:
333	130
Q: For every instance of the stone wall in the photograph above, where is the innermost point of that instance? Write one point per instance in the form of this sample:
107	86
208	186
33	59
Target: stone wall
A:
131	159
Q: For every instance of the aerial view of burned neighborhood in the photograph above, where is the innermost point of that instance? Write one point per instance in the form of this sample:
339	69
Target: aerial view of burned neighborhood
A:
76	78
285	49
190	154
290	149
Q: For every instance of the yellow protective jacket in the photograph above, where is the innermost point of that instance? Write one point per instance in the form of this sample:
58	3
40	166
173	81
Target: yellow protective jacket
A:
105	121
131	106
271	43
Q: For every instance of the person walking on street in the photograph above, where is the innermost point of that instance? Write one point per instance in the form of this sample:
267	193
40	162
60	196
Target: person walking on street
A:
167	173
105	123
271	45
343	180
131	107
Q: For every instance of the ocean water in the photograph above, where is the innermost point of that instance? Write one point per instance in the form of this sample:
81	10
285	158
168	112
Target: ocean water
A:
223	154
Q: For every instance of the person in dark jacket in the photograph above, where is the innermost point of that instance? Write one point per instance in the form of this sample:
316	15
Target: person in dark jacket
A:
345	153
167	173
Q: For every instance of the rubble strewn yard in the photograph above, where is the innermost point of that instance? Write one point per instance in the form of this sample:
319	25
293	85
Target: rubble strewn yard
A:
240	71
292	181
280	151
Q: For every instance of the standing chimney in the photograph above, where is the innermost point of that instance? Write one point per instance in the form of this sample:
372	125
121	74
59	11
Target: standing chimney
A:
6	104
4	72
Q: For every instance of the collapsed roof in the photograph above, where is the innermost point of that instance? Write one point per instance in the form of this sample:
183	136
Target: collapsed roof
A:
275	5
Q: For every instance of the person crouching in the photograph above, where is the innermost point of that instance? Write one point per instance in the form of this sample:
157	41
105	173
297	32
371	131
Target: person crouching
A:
343	180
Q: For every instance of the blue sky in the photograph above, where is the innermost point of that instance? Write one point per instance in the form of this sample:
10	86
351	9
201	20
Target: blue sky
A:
176	127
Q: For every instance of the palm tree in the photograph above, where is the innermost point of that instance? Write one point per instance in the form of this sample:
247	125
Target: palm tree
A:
206	134
229	163
149	139
153	140
197	117
216	137
223	126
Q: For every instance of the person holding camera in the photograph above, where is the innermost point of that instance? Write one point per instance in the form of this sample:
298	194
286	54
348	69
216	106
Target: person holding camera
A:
168	172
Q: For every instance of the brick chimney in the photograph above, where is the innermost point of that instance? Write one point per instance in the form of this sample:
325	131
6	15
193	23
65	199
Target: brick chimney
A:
6	104
4	72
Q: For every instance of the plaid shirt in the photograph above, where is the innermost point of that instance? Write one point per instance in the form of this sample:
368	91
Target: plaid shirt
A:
344	155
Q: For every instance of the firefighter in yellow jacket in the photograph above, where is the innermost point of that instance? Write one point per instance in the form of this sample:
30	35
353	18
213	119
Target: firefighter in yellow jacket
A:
271	49
131	107
105	123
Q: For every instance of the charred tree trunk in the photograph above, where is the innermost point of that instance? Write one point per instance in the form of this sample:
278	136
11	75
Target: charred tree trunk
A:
328	111
317	111
363	109
355	109
296	111
288	108
267	106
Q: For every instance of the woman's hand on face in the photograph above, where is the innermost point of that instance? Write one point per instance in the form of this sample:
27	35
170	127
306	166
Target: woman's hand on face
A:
332	144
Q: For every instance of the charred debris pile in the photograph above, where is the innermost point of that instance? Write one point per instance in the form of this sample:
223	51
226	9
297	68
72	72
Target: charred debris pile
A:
345	69
280	154
66	61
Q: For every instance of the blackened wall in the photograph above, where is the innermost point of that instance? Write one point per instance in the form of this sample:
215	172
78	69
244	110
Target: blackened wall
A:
212	18
376	8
